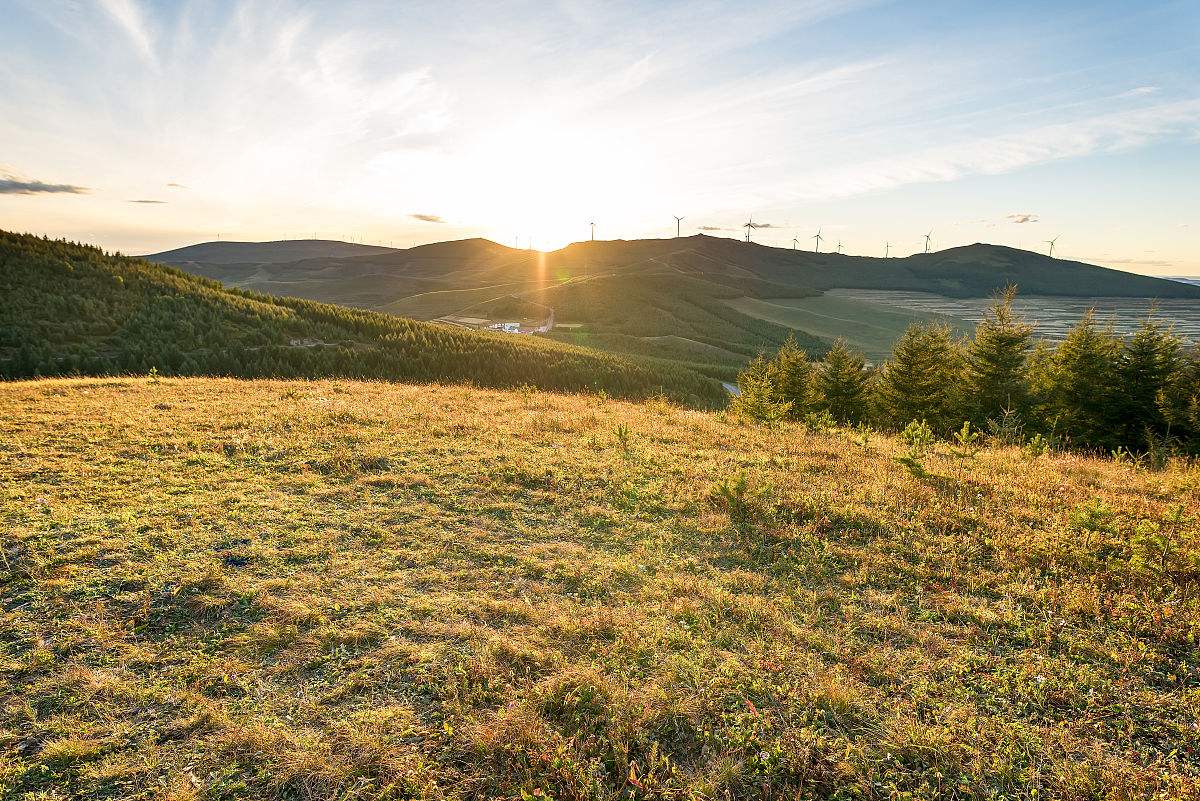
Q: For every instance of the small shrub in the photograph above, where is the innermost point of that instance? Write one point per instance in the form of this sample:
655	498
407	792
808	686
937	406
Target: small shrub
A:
1159	549
821	422
746	506
1008	430
919	439
1091	519
862	435
1037	446
967	439
1159	450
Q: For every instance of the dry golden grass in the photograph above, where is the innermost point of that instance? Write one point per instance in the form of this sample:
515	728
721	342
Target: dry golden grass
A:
215	589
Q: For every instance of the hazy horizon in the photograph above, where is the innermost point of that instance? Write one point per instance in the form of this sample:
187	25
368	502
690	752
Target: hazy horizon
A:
145	126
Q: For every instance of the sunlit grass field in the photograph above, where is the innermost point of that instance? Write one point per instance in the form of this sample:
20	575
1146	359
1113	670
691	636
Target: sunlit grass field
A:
219	589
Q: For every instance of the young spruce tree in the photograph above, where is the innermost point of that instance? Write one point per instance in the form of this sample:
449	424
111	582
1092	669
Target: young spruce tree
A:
1147	372
997	378
758	399
791	377
922	380
1081	384
841	384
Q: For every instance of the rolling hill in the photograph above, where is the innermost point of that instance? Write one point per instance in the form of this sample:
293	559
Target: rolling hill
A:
279	251
71	309
689	299
283	591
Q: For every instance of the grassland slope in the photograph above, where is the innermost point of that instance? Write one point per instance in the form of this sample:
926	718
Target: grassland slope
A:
258	589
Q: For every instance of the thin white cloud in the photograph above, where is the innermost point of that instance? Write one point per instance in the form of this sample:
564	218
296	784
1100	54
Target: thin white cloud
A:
1106	133
128	15
1140	91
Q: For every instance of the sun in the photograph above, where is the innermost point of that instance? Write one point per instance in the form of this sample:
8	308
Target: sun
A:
542	179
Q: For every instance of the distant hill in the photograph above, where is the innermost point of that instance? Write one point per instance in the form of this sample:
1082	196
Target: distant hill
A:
70	309
1194	281
681	299
284	250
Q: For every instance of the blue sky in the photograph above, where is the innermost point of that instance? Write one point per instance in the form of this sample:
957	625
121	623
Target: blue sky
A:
406	123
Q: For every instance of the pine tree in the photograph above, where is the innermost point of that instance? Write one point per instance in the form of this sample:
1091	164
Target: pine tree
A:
791	376
758	397
1147	370
1081	381
922	380
841	384
997	378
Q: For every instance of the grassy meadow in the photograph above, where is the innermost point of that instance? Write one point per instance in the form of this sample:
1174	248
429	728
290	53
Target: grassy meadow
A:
223	589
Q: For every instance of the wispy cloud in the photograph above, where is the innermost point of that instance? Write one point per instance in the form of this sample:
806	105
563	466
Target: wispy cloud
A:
1022	217
11	185
1140	91
176	186
152	202
429	218
712	228
128	15
1105	133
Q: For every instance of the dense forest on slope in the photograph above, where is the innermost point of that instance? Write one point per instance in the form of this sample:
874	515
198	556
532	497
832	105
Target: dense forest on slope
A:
71	309
1132	396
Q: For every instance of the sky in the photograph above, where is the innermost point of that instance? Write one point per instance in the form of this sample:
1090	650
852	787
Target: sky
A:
142	125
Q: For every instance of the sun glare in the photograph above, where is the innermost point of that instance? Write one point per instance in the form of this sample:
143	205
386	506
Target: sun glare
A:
541	180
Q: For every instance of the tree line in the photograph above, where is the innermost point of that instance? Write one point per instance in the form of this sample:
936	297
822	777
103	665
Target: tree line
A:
1094	390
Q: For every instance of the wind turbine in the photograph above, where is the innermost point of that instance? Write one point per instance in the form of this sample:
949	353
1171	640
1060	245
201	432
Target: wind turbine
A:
927	239
749	227
593	224
887	248
1051	242
678	220
818	237
839	250
795	243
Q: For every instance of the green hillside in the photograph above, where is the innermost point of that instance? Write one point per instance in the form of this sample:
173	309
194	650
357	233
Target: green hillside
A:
71	309
656	297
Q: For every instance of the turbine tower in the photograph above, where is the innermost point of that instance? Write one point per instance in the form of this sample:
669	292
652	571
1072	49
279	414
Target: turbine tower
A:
887	248
839	249
927	239
1051	242
678	220
749	227
795	243
818	237
593	224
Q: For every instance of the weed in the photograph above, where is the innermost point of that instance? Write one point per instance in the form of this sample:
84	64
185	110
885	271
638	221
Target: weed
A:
623	437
